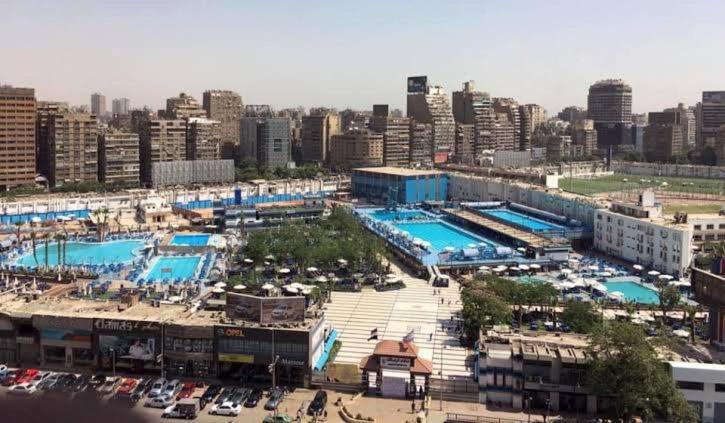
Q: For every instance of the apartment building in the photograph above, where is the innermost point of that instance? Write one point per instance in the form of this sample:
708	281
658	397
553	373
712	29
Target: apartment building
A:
203	139
225	107
429	105
46	110
396	138
317	130
663	137
118	158
73	149
182	107
707	228
703	386
421	144
161	141
357	148
17	136
266	140
638	233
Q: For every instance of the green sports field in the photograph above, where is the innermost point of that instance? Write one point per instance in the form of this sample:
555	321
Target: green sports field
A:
613	183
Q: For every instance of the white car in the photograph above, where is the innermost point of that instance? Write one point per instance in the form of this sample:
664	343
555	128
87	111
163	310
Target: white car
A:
162	401
42	376
3	370
23	389
227	408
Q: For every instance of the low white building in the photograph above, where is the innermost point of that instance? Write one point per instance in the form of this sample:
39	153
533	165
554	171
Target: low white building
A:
640	234
703	385
707	228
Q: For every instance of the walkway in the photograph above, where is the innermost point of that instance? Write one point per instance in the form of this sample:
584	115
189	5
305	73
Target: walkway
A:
477	219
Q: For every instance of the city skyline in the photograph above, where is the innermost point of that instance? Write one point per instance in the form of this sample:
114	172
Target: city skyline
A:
329	54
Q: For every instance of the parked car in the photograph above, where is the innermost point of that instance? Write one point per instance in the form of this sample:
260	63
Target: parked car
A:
158	387
110	385
161	401
142	388
41	376
49	381
81	383
226	408
317	406
187	390
187	408
211	392
23	389
226	394
26	376
64	383
253	398
96	381
275	398
173	388
240	396
4	370
126	388
279	418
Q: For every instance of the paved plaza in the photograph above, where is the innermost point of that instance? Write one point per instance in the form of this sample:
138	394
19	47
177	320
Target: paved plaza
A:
394	314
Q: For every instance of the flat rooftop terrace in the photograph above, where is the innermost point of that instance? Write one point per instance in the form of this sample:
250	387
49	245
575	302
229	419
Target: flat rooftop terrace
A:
399	171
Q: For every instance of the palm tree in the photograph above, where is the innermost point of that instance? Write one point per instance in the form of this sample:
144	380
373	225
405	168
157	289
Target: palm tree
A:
101	219
59	245
18	225
689	311
33	236
47	237
629	307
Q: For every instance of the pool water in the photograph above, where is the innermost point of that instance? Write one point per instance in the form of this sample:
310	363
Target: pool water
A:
440	235
191	240
80	253
173	268
530	223
633	292
388	215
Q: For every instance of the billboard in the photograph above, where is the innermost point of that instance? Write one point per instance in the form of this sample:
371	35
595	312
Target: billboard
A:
66	335
243	307
283	309
417	84
126	346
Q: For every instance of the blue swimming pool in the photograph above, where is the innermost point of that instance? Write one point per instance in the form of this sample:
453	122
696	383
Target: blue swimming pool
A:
80	253
388	215
440	235
528	222
191	240
183	268
633	291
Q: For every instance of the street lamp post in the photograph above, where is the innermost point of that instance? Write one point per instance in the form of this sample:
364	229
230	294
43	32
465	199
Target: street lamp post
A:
113	360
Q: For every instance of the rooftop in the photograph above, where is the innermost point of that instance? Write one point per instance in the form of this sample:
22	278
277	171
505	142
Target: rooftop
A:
396	348
399	171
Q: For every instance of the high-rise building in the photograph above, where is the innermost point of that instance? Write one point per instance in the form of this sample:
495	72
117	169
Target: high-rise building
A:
508	113
504	133
538	115
583	134
421	144
160	141
465	142
182	107
17	136
225	107
357	148
609	105
663	137
317	129
73	149
396	136
469	103
203	139
354	119
712	113
266	140
98	105
720	147
688	122
258	110
118	158
526	128
430	105
120	106
572	114
46	111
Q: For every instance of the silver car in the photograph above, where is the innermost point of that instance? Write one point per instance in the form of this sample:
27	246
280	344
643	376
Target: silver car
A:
158	387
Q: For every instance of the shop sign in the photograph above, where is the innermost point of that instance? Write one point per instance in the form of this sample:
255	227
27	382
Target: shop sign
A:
395	363
288	362
230	332
25	340
236	358
125	325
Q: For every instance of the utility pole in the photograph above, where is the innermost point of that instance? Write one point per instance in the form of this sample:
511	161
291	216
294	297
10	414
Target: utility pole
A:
113	360
440	386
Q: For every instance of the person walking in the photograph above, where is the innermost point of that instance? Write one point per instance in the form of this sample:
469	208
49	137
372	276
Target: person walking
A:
412	407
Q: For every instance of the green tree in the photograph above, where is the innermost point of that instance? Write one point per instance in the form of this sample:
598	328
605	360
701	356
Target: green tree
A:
689	311
482	307
668	297
626	366
33	239
580	316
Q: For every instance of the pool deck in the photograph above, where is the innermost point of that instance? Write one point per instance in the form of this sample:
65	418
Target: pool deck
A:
527	238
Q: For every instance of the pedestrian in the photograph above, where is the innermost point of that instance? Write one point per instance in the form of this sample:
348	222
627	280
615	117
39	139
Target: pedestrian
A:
412	407
430	337
325	414
449	303
451	318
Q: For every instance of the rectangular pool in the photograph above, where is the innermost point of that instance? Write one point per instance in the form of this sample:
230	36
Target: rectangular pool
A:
172	268
440	235
633	291
388	215
528	222
190	240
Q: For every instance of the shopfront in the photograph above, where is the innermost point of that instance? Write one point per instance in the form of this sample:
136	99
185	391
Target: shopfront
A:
8	345
65	341
395	370
127	345
247	354
189	351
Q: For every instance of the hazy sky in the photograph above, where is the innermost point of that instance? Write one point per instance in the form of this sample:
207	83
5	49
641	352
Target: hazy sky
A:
355	53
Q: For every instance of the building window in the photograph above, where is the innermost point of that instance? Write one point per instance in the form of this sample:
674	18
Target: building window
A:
710	227
720	387
692	386
698	227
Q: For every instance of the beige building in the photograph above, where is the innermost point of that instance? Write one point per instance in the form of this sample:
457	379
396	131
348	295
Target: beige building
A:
118	158
707	228
203	139
430	105
317	130
73	149
465	142
357	148
583	134
538	115
161	141
17	136
421	144
225	107
182	107
396	139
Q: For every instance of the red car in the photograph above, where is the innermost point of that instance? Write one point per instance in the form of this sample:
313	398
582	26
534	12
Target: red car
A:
126	387
187	390
26	376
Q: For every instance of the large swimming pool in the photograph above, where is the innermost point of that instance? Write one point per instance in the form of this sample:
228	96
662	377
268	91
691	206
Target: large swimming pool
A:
440	235
633	291
183	268
528	222
388	215
191	240
84	253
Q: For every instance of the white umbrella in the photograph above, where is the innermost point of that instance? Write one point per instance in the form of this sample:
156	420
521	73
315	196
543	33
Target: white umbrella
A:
220	285
296	285
321	278
417	241
291	289
617	295
472	245
269	257
217	291
535	266
426	245
283	271
521	249
523	267
391	276
666	277
638	267
312	269
681	333
606	274
395	232
267	286
248	261
610	269
484	268
567	285
593	267
579	282
514	268
482	244
175	298
566	271
599	287
405	234
239	287
653	273
307	291
342	261
449	249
